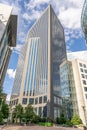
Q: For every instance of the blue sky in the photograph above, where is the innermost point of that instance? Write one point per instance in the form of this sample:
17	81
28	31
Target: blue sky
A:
68	12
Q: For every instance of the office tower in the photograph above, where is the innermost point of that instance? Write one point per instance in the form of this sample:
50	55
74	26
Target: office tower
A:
74	87
8	31
84	20
39	80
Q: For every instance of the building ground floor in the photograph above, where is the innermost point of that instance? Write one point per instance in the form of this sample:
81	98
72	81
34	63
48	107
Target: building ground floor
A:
42	106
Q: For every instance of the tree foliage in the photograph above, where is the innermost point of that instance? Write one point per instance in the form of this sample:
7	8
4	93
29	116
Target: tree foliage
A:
1	94
18	113
1	117
76	120
61	119
29	114
5	110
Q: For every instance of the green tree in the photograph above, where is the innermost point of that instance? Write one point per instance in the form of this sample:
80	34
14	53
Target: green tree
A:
1	94
76	120
29	114
5	110
18	113
1	117
61	120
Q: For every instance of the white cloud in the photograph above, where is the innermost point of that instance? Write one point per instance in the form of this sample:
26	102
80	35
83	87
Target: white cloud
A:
35	3
71	17
17	48
69	12
8	97
11	73
16	9
67	38
82	55
33	15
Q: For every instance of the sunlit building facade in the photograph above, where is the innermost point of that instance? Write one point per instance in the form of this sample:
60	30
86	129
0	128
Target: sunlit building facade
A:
84	20
8	31
39	81
74	88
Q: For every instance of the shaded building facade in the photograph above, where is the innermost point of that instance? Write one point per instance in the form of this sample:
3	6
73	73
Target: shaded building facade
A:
40	77
8	31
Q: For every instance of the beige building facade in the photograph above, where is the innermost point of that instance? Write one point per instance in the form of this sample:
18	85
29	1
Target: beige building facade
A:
76	79
80	77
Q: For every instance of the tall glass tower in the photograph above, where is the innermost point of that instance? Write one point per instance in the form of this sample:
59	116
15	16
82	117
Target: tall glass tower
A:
39	80
84	20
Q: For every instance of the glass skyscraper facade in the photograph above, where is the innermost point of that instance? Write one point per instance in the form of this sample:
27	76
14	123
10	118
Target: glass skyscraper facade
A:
40	77
8	30
84	20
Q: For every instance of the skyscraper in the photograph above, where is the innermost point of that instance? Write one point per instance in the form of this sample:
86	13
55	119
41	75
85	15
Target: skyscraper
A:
84	20
37	78
8	31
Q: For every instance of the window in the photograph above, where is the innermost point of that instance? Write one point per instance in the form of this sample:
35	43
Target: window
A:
54	99
45	111
40	99
36	100
83	76
80	64
86	76
81	69
86	96
84	82
85	89
85	71
16	101
84	65
40	111
24	101
35	110
31	100
45	99
24	93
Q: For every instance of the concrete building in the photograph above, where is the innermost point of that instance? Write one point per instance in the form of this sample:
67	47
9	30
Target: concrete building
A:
37	80
8	31
74	86
84	20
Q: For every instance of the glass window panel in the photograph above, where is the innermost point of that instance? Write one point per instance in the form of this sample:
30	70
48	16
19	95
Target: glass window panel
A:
24	101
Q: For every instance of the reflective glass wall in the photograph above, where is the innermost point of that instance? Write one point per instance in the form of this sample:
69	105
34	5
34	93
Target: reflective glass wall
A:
58	56
58	52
